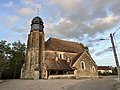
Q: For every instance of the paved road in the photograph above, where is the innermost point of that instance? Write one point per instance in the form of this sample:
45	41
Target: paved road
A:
106	83
56	84
59	84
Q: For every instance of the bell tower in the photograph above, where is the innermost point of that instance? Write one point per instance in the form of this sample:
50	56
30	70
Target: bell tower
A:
37	24
34	67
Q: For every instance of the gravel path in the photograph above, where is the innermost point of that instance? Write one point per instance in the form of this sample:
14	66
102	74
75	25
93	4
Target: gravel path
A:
59	84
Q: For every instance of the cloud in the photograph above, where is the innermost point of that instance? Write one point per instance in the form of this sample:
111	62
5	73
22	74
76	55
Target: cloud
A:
63	26
31	3
92	51
104	51
76	20
24	8
9	21
66	4
68	28
103	21
29	8
9	4
12	19
115	7
71	19
100	25
25	11
24	37
86	16
23	29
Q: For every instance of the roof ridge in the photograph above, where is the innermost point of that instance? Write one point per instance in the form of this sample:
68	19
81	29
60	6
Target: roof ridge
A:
63	45
62	40
76	58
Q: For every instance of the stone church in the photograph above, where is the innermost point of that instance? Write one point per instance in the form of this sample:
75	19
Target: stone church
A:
55	57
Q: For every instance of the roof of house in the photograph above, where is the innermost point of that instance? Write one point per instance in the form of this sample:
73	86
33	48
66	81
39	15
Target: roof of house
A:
60	64
76	58
63	46
104	68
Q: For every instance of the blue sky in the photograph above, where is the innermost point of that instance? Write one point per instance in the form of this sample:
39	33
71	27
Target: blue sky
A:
82	21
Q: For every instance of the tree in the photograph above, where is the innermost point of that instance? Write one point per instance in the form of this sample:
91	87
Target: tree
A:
18	58
12	57
114	71
4	53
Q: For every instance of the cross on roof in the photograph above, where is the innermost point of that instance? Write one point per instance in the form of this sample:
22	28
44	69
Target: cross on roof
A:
37	11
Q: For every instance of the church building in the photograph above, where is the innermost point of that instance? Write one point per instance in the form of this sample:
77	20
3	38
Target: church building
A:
55	57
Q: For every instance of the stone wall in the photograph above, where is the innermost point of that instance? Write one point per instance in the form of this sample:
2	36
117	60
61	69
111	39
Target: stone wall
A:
65	55
34	63
61	76
90	67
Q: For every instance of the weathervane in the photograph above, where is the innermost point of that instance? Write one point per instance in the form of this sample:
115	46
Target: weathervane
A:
37	11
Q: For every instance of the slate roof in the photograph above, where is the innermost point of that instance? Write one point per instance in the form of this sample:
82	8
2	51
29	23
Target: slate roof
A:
61	64
63	46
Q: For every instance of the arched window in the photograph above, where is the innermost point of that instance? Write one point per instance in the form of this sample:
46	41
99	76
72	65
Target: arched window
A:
83	65
61	56
93	69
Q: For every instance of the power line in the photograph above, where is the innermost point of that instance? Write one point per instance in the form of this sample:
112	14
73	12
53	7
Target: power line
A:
116	31
118	34
118	43
105	44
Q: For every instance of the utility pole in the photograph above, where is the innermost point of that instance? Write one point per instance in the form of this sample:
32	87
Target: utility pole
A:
115	55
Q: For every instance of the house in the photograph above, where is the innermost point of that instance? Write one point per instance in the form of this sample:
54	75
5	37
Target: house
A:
55	57
105	69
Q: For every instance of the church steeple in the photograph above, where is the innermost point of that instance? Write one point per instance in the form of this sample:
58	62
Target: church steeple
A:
35	61
37	24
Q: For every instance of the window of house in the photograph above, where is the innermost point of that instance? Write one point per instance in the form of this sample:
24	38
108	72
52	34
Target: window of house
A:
83	65
93	69
61	56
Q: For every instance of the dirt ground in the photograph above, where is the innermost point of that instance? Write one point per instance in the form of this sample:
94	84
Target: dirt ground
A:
105	83
56	84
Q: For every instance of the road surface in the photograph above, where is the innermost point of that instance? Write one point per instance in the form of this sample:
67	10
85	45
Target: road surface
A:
59	84
106	83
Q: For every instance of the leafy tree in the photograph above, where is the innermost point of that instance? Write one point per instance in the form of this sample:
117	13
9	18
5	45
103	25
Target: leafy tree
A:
4	55
18	57
114	71
12	57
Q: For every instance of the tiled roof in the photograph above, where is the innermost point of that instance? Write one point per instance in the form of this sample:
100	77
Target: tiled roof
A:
63	46
76	58
60	64
104	68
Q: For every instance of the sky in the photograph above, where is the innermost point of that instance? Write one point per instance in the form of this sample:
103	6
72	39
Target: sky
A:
82	21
